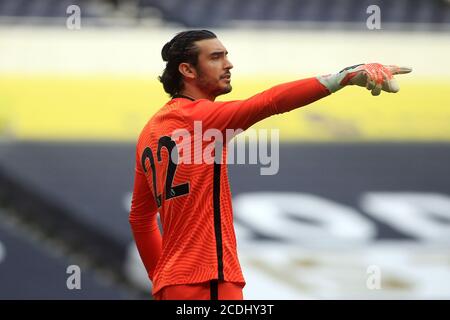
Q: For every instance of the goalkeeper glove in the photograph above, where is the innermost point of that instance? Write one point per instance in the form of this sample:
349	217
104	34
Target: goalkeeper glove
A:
373	76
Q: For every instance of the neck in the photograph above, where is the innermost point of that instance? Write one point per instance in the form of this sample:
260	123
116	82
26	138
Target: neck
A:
195	93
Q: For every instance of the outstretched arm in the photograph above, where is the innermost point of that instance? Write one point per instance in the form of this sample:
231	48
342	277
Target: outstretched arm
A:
241	114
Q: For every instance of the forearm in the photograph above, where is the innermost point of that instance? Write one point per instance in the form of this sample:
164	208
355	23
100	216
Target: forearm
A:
291	95
149	245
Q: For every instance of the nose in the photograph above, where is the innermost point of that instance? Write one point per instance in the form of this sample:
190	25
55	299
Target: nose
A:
228	64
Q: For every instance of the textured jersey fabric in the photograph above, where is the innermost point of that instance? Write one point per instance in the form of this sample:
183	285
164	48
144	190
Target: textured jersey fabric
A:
174	175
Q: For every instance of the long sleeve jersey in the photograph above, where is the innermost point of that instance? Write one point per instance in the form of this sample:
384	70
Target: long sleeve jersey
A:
193	199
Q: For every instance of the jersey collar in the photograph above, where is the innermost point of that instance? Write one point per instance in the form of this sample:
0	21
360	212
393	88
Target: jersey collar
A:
182	96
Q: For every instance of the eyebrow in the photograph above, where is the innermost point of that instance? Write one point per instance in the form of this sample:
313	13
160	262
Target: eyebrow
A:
215	53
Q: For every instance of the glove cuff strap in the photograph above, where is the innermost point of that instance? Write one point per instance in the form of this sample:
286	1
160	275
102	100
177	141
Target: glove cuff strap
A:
331	82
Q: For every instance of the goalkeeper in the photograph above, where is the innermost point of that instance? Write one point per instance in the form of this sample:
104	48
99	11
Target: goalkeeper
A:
196	257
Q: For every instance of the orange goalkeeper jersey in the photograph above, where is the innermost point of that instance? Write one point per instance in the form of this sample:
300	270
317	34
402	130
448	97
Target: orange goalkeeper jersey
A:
192	193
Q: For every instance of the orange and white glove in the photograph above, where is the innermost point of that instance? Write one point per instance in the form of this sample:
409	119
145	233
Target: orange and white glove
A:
373	76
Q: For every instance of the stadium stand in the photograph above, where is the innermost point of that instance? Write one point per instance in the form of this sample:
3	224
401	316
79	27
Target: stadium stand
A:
31	271
206	13
74	188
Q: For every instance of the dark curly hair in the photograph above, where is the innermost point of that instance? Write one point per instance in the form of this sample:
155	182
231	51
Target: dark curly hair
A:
178	50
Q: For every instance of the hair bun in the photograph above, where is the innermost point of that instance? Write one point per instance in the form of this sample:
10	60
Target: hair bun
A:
165	51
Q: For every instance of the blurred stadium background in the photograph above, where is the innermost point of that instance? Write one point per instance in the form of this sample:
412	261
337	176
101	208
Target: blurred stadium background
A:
364	183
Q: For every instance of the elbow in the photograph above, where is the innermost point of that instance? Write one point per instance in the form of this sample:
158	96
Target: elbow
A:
130	221
135	221
141	222
132	218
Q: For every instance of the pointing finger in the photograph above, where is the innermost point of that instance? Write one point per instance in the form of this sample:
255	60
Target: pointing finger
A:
399	70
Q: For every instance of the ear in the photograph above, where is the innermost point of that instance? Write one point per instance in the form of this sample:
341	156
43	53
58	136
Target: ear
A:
187	70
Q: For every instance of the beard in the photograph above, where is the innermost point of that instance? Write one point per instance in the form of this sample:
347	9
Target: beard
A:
212	86
226	89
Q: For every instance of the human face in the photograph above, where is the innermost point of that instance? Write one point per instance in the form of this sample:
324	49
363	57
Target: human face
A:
213	68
